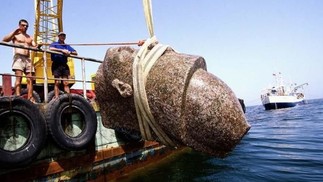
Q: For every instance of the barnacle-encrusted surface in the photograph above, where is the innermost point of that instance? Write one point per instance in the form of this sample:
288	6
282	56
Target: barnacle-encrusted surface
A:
192	106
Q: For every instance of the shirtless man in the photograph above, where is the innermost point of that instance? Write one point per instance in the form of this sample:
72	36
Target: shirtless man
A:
21	60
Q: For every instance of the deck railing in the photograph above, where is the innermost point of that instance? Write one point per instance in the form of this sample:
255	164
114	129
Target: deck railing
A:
45	76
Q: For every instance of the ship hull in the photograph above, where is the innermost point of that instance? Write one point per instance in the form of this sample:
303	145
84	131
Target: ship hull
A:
270	106
107	157
279	102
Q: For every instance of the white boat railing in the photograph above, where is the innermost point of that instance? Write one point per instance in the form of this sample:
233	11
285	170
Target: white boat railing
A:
45	77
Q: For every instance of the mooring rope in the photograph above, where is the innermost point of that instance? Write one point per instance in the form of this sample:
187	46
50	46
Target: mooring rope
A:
142	64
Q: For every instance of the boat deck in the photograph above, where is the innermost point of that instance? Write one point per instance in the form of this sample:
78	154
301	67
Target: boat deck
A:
106	158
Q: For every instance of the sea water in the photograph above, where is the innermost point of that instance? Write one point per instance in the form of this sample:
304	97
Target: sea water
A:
282	145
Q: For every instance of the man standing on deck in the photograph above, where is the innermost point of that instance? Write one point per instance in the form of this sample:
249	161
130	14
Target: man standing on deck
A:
21	60
60	68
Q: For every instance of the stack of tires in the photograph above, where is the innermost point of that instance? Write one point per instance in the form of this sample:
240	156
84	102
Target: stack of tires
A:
70	120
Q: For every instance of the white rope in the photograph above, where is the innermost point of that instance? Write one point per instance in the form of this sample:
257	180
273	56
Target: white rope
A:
142	64
149	17
144	128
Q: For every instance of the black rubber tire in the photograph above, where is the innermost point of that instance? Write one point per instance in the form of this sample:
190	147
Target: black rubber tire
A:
51	95
59	116
20	119
24	94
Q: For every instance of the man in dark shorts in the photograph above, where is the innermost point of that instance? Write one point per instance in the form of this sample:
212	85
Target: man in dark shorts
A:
60	68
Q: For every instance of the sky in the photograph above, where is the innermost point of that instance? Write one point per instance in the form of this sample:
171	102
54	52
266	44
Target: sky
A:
242	41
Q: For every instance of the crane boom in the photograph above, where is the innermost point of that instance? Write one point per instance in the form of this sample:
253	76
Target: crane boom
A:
299	86
48	22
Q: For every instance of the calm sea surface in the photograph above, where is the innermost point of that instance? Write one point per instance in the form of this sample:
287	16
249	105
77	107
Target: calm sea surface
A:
282	145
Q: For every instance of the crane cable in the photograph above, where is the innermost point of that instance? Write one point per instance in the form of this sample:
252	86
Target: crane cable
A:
142	64
149	17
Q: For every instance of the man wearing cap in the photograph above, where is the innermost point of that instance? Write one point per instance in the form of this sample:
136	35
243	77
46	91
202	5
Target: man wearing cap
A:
60	68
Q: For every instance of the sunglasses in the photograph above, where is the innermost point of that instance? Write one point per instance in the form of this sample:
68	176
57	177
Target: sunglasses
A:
24	25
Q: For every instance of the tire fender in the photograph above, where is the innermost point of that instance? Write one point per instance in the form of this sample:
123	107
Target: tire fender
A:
51	95
22	131
71	121
24	94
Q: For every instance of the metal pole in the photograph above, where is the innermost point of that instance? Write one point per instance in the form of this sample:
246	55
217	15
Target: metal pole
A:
45	77
6	85
83	78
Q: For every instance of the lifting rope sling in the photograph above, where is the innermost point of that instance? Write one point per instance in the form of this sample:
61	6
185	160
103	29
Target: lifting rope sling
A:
142	64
